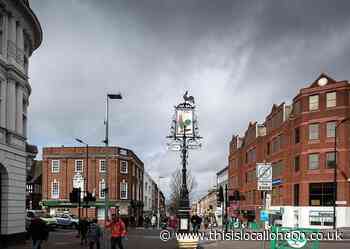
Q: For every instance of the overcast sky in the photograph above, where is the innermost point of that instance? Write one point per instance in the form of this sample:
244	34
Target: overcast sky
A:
237	58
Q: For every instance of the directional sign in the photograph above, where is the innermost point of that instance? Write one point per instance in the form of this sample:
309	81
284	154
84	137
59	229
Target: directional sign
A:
174	147
194	146
264	215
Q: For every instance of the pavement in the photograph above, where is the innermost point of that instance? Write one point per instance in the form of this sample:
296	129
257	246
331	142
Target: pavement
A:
140	238
137	239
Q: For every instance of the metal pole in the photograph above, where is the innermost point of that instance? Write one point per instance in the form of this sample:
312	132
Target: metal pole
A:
225	202
158	214
106	173
79	202
87	179
335	179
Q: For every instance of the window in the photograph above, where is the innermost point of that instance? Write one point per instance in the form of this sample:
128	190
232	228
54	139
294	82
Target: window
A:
55	166
296	163
268	148
330	160
296	107
79	165
314	161
331	126
123	152
321	194
102	186
276	144
297	135
123	190
1	33
102	165
321	218
331	99
277	169
313	102
296	194
314	131
251	156
55	190
123	167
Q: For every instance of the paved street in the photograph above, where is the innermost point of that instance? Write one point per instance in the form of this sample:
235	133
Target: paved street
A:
149	239
258	245
137	238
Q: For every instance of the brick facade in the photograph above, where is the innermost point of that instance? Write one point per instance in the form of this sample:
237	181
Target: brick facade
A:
289	137
66	158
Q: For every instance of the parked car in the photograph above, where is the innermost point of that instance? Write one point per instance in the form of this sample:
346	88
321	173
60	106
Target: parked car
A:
48	219
67	220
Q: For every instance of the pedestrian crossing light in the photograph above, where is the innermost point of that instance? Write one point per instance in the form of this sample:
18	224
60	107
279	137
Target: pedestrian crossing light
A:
220	196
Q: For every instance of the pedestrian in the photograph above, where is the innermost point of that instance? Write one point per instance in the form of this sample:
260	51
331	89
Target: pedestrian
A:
140	221
173	222
195	223
39	232
94	234
118	231
83	228
147	221
154	221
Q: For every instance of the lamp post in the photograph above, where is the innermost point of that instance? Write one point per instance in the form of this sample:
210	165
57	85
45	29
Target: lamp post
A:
183	136
335	173
158	213
87	170
106	142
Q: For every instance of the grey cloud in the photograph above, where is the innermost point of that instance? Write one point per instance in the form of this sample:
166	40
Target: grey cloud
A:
236	57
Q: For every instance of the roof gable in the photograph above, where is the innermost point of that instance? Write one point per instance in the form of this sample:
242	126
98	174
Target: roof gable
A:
322	80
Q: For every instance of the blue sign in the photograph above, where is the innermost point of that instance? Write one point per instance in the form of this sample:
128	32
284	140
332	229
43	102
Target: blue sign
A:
276	182
264	215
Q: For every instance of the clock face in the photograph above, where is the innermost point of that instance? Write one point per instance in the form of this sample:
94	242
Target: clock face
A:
323	81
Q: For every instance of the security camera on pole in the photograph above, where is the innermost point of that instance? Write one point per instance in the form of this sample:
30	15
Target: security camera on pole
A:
184	135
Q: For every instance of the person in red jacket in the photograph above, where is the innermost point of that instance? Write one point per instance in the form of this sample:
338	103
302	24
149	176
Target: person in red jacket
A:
118	231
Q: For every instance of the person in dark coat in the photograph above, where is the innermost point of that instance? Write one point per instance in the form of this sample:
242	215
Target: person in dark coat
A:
39	232
195	220
83	229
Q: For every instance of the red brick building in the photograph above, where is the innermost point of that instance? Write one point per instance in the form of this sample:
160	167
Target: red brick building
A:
68	167
299	141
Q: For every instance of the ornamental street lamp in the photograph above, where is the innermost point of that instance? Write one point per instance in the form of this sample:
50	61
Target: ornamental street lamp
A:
183	136
106	142
335	172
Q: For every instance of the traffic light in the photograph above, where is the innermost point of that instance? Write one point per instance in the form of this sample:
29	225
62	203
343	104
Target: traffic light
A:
74	196
220	196
89	198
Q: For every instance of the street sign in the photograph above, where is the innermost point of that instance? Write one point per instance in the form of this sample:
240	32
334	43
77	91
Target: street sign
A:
173	147
264	186
340	202
194	146
264	176
264	215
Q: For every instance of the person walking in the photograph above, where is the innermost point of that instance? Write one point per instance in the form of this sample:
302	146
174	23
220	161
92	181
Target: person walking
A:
83	229
154	221
118	231
39	232
195	223
94	234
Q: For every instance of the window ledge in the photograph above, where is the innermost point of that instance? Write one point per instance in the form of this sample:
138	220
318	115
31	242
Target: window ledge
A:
314	141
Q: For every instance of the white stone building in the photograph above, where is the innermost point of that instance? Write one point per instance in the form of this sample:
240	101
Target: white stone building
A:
222	181
20	35
147	194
